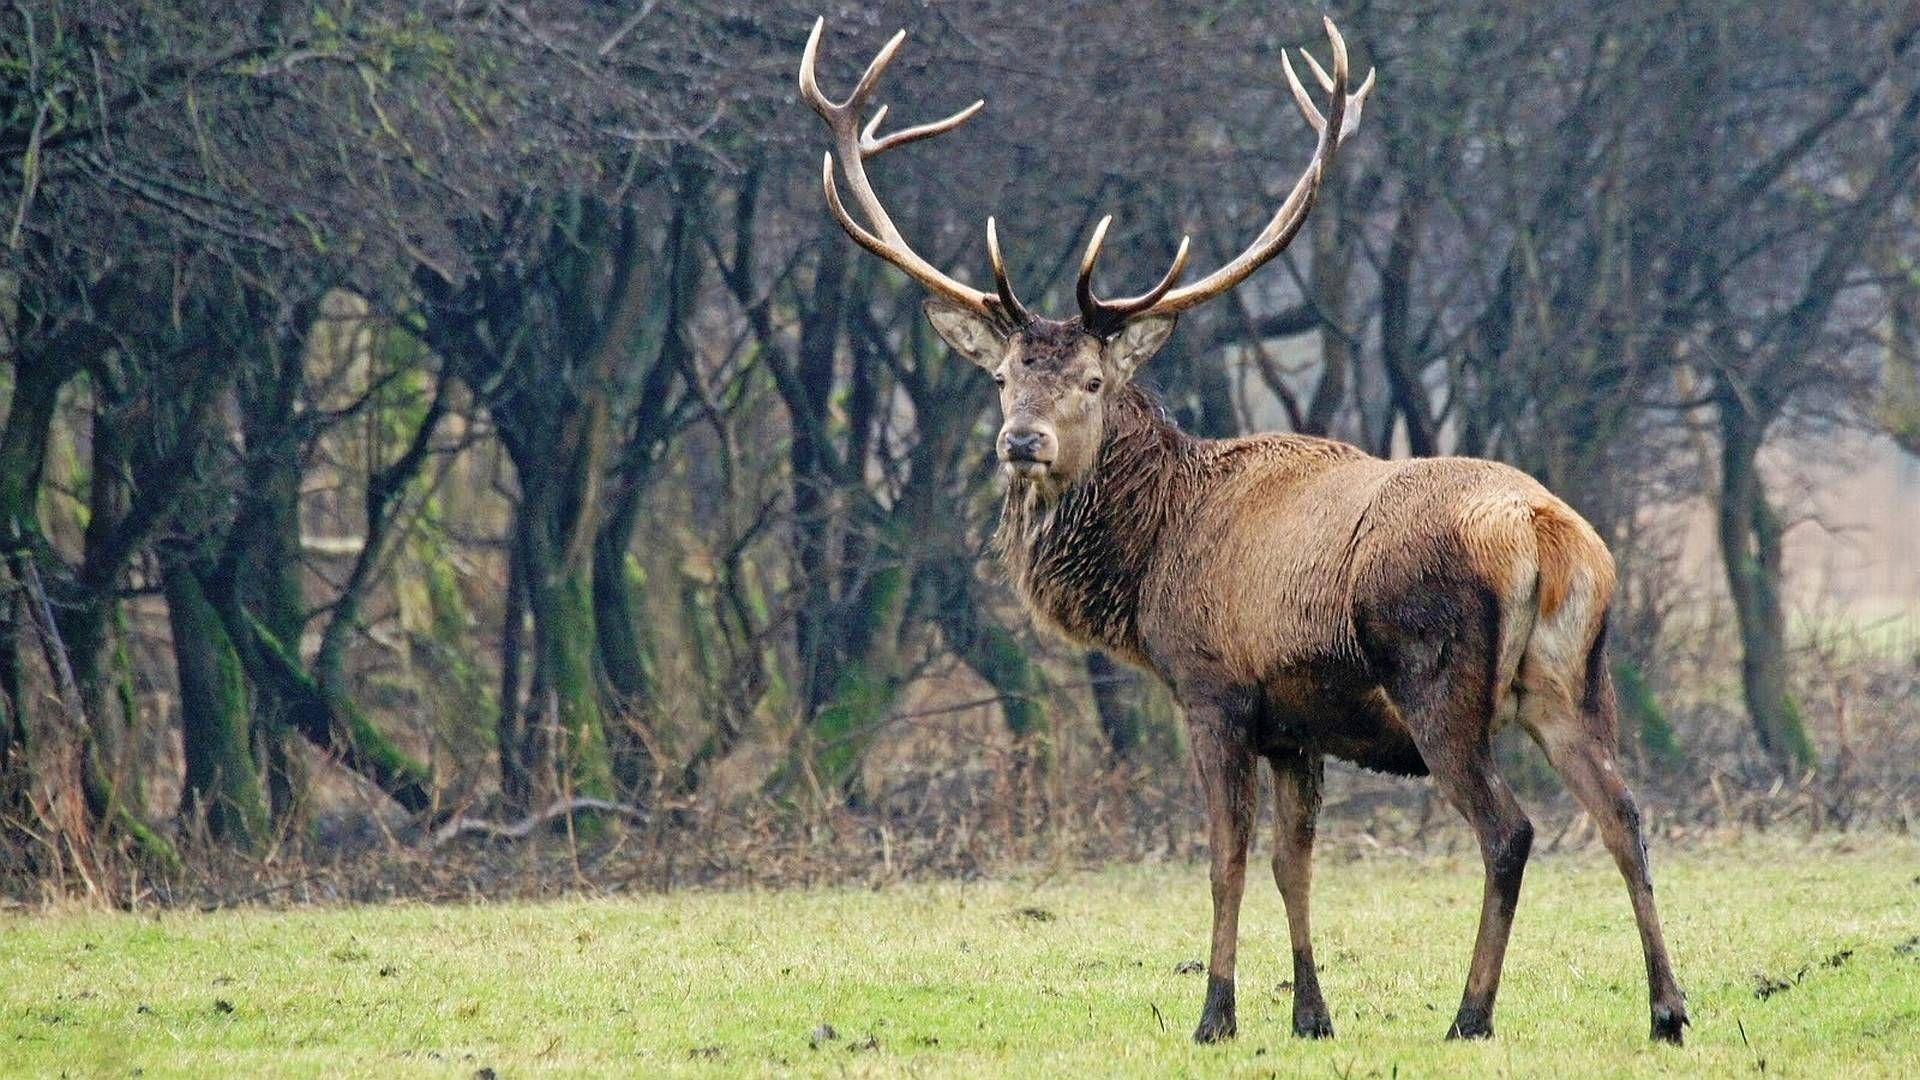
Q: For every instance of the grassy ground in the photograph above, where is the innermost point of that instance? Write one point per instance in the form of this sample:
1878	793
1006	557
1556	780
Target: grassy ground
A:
1068	975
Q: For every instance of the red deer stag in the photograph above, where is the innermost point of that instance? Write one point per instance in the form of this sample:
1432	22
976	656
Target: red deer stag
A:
1299	596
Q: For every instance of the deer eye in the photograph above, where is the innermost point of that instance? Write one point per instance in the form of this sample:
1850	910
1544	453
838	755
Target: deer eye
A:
1094	384
999	378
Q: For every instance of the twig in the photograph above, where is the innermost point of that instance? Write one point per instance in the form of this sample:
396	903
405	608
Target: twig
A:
614	39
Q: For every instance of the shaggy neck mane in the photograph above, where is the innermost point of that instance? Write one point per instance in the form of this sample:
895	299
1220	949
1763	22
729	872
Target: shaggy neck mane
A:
1081	554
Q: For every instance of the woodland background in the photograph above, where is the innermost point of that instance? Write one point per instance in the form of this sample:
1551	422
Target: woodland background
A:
424	426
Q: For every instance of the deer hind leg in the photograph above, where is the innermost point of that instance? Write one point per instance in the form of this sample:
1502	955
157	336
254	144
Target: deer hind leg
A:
1444	693
1228	773
1296	783
1506	838
1579	743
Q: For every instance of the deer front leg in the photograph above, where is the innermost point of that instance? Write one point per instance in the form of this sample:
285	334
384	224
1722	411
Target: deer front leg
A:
1296	796
1225	762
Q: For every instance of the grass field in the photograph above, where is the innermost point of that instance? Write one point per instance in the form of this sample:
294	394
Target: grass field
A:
1067	975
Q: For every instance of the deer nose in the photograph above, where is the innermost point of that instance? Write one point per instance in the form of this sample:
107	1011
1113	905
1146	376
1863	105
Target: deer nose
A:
1027	444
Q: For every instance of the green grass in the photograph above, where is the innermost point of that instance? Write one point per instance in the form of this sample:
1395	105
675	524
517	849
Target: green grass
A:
1063	976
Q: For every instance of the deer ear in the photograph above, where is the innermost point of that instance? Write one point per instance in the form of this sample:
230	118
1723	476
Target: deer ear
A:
971	334
1138	342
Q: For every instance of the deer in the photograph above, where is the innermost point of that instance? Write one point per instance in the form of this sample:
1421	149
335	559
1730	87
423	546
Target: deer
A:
1299	597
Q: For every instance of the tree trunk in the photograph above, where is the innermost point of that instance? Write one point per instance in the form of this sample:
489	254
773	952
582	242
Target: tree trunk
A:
864	688
266	581
625	646
1405	383
1750	536
620	622
1330	283
565	642
1122	720
812	482
554	741
23	448
990	649
1653	732
23	451
1899	406
221	781
14	760
75	636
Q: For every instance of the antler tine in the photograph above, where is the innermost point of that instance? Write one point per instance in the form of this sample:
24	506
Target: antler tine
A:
873	147
870	78
809	81
853	144
1083	289
873	125
1103	317
1010	304
1300	99
1355	101
1340	119
854	229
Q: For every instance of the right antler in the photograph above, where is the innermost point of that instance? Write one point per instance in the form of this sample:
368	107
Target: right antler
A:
1343	116
855	144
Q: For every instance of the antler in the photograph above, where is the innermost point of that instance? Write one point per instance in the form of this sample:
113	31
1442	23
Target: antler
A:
855	145
1343	116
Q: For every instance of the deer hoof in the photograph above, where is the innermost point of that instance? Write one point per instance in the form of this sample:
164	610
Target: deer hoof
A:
1471	1024
1217	1016
1316	1026
1215	1028
1668	1023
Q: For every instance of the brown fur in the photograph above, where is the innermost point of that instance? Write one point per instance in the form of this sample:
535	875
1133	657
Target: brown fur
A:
1567	542
1245	562
1303	598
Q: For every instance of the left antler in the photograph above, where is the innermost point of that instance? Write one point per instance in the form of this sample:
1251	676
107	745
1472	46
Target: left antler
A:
1106	317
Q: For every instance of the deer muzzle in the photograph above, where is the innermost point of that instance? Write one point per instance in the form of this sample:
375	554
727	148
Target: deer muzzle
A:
1028	451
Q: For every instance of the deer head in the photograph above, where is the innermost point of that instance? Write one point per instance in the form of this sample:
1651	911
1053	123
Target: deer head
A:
1056	377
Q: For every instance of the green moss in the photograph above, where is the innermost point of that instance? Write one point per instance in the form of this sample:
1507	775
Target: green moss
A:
865	688
221	777
571	645
334	722
861	697
1790	734
1642	711
449	624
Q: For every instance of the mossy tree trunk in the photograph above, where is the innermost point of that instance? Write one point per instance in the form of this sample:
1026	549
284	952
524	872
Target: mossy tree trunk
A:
319	699
621	618
814	475
1750	549
547	341
149	392
867	682
222	782
261	568
1117	703
145	419
23	451
558	742
621	622
1640	709
1899	405
992	651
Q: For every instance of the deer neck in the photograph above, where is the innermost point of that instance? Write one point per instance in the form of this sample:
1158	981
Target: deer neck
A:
1080	556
